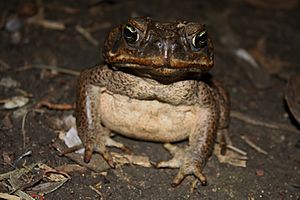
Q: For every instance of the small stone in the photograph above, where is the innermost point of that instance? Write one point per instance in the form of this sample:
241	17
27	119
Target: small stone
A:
13	24
259	172
16	37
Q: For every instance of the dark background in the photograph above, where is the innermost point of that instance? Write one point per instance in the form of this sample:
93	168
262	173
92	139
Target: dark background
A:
268	30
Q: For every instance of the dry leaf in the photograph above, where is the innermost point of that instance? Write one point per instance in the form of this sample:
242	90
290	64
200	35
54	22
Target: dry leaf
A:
6	123
97	164
269	64
231	157
7	157
16	102
8	82
123	159
71	168
8	196
244	55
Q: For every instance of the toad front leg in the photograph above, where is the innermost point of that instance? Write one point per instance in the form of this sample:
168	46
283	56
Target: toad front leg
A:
192	159
94	136
92	83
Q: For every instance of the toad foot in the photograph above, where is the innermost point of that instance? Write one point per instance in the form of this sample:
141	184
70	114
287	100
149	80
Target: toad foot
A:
100	145
183	160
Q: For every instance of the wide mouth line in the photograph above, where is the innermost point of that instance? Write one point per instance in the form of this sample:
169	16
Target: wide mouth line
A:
155	67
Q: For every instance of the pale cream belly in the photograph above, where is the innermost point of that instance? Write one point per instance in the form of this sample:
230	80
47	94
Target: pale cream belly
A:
148	120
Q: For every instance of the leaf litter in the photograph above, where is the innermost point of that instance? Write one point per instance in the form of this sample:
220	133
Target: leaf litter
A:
34	179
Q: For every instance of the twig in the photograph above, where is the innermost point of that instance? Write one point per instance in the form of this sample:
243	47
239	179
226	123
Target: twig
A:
239	151
97	191
255	122
23	92
47	23
3	65
49	67
54	106
4	101
97	27
59	69
23	195
87	35
254	146
19	193
65	151
38	19
23	131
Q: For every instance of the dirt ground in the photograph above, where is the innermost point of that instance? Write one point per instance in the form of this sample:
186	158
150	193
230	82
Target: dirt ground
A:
268	33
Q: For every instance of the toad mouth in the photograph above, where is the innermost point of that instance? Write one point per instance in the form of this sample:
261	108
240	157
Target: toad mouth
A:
200	64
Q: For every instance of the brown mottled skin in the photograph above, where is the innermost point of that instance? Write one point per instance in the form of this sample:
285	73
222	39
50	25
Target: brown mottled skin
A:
154	86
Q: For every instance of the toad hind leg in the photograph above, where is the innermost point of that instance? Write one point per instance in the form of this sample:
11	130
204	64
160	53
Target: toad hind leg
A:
223	100
221	150
193	158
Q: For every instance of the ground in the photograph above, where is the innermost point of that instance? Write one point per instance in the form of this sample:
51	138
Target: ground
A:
268	33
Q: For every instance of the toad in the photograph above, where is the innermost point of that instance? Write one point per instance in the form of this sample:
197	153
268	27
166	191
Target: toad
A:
154	86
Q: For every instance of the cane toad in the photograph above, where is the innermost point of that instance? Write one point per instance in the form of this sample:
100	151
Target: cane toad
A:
154	86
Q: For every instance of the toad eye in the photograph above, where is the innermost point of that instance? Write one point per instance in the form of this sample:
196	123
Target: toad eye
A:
200	40
130	33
